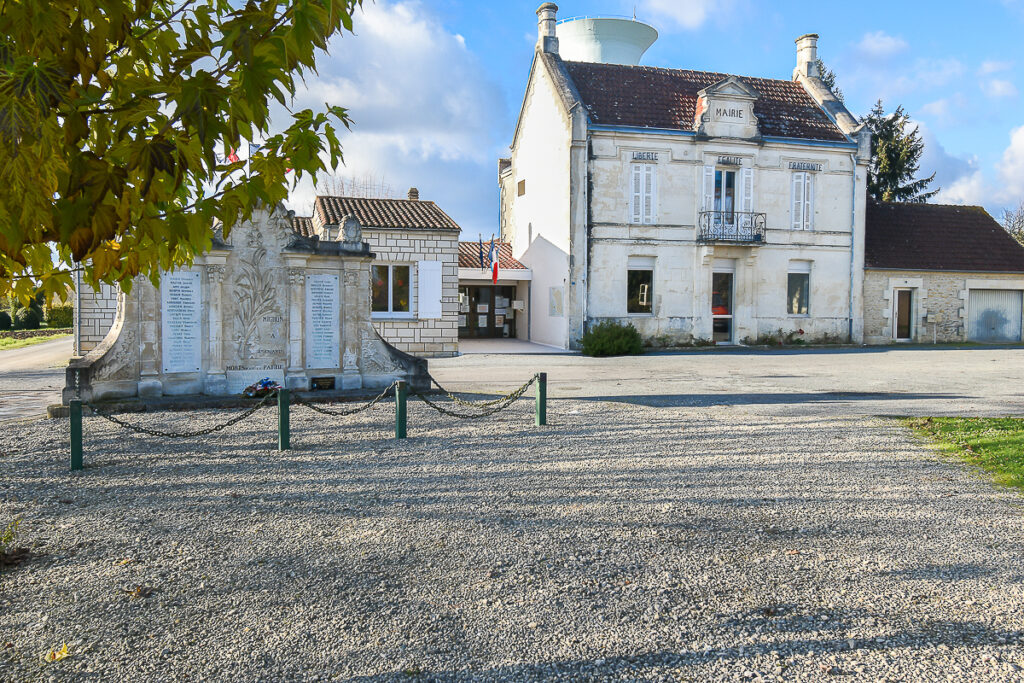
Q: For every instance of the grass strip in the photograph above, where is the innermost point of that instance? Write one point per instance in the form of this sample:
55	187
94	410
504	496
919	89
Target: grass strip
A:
995	444
7	343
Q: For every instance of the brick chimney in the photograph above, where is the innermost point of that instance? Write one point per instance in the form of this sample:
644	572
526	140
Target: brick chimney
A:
414	194
546	18
807	56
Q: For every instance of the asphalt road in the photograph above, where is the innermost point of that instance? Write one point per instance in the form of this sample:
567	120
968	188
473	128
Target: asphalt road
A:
864	381
815	382
32	377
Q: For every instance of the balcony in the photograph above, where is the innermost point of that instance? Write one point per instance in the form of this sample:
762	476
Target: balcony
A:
731	226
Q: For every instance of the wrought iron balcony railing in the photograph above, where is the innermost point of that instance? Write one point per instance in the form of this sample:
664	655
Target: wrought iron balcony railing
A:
731	226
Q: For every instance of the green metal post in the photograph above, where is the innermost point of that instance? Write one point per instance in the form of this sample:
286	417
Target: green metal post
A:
76	433
541	404
283	427
401	394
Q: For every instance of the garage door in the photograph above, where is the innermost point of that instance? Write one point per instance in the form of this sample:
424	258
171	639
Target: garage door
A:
994	315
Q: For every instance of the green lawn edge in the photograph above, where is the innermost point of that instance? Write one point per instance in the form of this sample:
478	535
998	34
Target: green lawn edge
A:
993	444
8	343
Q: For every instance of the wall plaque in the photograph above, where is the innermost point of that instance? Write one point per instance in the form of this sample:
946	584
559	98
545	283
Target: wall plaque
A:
323	321
181	322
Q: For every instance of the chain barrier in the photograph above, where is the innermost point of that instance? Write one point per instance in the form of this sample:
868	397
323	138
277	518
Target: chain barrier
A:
462	401
181	435
344	413
494	406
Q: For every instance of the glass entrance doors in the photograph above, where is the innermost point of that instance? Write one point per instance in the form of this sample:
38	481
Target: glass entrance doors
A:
486	311
721	307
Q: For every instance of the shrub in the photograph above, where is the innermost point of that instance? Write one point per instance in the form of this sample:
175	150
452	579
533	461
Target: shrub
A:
60	316
609	338
27	319
5	320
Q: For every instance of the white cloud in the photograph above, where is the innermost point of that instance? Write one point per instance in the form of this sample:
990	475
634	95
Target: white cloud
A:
880	45
1011	168
964	182
998	87
949	110
687	14
992	66
424	111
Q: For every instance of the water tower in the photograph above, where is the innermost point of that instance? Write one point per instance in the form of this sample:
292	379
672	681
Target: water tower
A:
610	40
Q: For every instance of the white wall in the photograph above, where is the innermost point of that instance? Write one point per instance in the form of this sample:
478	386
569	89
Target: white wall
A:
537	223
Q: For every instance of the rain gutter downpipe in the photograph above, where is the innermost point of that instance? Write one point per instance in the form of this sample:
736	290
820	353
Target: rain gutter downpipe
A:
853	238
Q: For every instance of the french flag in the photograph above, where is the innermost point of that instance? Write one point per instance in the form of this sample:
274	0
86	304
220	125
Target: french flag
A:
494	261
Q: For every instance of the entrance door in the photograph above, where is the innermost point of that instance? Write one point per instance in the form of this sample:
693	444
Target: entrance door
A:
902	315
486	311
721	307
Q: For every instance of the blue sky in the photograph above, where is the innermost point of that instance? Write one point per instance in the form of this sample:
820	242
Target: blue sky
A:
434	86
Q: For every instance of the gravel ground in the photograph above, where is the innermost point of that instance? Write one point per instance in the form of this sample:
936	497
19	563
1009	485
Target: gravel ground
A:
620	542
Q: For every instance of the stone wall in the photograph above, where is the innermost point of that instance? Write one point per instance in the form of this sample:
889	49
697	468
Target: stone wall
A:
427	337
94	315
939	303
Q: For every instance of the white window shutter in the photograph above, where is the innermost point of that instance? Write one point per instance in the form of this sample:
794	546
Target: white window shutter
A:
649	181
708	199
429	288
797	208
636	195
808	201
747	185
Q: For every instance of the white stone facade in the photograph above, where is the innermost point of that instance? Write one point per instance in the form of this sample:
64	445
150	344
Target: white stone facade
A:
415	332
571	209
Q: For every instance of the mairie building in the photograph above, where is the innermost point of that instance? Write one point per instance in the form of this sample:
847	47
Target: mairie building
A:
700	207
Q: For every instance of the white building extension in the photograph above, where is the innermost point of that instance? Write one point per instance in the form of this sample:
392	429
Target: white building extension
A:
697	206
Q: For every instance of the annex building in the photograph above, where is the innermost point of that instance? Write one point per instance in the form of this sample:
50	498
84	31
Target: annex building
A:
700	207
937	273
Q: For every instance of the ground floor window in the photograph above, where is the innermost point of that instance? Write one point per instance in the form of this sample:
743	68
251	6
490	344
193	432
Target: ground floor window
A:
486	311
798	294
391	289
639	291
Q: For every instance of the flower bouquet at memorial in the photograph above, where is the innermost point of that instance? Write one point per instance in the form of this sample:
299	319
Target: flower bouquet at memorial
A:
262	388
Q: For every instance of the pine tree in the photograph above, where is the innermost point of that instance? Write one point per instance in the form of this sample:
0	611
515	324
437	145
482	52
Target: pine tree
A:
828	77
895	158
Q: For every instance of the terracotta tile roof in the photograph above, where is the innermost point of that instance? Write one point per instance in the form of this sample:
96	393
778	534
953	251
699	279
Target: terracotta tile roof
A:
303	225
938	237
383	213
652	97
469	256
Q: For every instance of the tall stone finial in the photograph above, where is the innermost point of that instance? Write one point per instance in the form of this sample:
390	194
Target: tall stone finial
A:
414	194
547	15
807	56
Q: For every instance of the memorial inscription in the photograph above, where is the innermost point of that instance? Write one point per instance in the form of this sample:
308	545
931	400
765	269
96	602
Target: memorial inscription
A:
323	322
181	321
